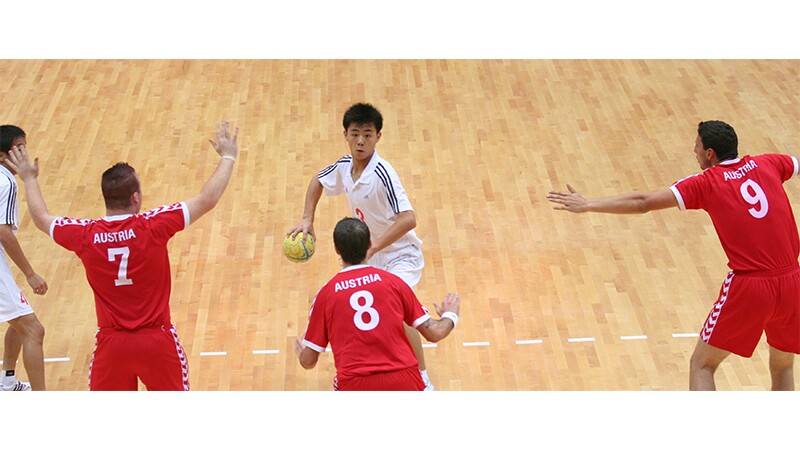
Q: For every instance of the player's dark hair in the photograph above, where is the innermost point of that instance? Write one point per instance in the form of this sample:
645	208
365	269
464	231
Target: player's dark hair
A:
721	137
363	114
119	183
7	135
351	238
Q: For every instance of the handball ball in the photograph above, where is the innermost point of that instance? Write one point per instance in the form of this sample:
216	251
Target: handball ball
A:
297	250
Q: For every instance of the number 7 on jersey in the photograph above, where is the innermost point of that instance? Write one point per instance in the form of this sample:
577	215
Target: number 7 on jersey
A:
122	273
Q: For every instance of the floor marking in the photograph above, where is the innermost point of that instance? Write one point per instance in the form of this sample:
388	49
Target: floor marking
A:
684	335
266	352
586	339
56	359
633	338
213	353
428	345
529	341
475	344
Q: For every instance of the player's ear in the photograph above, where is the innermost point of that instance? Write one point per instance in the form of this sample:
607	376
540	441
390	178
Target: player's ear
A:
378	136
136	198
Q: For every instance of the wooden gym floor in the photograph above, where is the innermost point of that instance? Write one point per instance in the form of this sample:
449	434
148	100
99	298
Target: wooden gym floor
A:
551	300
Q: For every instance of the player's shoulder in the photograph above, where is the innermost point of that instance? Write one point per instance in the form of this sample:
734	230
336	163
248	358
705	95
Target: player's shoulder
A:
177	206
70	221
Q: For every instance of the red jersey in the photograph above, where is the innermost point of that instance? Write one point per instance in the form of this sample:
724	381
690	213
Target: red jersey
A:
361	312
126	263
749	208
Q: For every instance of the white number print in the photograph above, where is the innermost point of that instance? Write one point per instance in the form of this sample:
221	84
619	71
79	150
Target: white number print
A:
122	274
758	198
366	308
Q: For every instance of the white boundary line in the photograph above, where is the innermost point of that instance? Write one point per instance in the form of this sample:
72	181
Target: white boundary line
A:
213	353
476	344
528	341
685	335
634	338
266	352
583	339
429	345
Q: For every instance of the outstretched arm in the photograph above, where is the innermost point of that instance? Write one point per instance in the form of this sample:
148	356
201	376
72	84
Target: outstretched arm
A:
227	148
306	225
631	203
28	171
435	330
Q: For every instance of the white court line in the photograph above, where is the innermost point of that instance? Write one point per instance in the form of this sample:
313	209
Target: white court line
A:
428	345
475	344
529	341
213	353
56	359
634	338
683	335
586	339
266	352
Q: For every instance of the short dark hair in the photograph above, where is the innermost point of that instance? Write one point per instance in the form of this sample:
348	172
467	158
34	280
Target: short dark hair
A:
721	137
363	114
7	135
351	239
119	183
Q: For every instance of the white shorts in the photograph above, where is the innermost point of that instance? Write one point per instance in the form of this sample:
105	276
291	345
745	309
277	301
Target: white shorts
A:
407	263
13	303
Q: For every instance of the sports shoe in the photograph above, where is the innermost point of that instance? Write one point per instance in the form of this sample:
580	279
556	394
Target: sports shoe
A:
18	386
428	385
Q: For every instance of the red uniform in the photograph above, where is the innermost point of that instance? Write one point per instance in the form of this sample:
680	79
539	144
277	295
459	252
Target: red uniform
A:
127	266
756	227
361	312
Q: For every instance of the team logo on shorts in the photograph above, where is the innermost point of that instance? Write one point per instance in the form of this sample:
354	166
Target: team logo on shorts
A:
22	299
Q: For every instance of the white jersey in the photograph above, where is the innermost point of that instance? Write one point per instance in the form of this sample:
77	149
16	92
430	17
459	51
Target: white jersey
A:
13	303
376	198
9	205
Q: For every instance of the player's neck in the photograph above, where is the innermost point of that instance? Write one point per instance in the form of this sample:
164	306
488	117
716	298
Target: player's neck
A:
132	210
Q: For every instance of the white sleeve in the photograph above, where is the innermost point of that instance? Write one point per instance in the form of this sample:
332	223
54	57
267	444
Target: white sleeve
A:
395	193
331	177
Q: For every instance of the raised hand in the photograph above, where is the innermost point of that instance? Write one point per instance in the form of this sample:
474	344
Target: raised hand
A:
19	162
226	145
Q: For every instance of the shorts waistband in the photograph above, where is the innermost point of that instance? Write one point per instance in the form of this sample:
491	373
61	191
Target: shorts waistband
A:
768	273
144	330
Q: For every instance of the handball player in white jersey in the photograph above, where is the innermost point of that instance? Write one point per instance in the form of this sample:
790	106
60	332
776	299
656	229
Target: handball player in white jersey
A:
377	198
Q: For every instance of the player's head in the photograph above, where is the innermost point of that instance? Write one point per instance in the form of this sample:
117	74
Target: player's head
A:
363	114
351	239
717	136
11	136
362	130
121	188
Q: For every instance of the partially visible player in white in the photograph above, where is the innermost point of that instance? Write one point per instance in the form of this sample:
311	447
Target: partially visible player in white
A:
377	198
25	333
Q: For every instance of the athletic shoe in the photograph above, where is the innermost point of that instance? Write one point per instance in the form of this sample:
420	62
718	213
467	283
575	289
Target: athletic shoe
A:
18	386
428	385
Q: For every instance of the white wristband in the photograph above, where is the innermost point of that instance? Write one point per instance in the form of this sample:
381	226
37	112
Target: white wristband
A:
229	157
452	316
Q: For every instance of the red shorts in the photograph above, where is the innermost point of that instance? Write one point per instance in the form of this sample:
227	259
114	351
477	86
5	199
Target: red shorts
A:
153	355
398	380
751	304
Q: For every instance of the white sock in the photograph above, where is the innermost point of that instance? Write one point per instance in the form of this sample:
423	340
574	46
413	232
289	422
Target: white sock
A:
424	374
9	378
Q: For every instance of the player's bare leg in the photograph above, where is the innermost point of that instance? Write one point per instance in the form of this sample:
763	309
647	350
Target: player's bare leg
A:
781	369
416	344
705	361
26	333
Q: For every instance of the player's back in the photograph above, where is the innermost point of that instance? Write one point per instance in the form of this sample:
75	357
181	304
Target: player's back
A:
127	263
750	210
365	309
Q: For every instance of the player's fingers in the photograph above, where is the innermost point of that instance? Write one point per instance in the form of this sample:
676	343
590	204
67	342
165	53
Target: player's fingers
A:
235	134
571	189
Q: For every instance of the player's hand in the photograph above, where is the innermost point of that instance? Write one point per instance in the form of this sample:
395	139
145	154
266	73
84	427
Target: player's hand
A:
571	201
298	347
225	144
451	302
304	226
37	283
19	162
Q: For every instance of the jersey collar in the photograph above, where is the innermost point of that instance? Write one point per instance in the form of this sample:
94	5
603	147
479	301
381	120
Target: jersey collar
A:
117	218
355	267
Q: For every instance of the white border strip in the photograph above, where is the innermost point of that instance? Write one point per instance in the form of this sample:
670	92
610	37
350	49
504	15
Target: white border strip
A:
634	338
584	339
213	353
685	335
476	344
528	341
56	359
429	345
266	352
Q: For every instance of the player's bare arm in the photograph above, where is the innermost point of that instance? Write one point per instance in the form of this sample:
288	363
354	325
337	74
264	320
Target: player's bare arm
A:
308	358
227	148
404	222
14	251
435	330
631	203
28	171
306	225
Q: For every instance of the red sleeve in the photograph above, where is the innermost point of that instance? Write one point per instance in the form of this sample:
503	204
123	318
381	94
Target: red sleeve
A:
785	165
691	192
316	336
167	220
69	233
415	313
